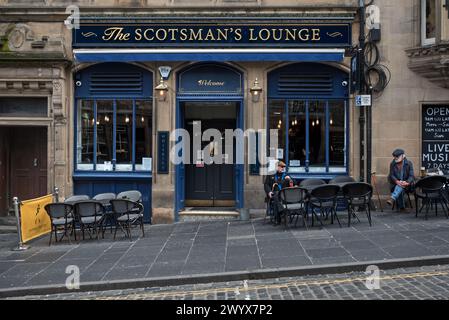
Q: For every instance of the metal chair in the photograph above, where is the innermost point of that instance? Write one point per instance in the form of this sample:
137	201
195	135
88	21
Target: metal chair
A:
61	216
105	200
89	215
358	195
129	213
293	201
324	198
132	195
73	199
431	192
312	183
269	210
342	179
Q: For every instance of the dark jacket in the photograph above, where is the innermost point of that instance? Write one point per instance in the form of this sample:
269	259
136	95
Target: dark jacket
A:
394	175
275	178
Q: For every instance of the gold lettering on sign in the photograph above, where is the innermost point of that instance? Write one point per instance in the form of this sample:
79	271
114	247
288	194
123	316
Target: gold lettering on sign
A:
251	35
161	34
138	34
114	34
222	34
304	35
263	34
316	35
184	35
147	33
290	35
210	83
173	33
196	36
238	34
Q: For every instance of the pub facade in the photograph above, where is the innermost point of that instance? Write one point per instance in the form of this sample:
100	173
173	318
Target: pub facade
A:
95	97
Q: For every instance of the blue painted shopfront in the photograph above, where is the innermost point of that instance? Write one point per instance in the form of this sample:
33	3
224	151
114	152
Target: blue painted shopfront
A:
113	131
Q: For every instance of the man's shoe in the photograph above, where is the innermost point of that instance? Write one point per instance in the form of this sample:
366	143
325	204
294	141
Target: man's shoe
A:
390	202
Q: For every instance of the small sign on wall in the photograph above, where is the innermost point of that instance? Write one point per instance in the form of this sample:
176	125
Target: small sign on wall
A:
163	152
363	100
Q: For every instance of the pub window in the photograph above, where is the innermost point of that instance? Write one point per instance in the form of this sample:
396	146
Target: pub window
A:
428	22
114	134
316	139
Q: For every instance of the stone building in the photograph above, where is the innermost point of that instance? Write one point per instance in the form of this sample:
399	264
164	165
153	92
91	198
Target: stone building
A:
90	110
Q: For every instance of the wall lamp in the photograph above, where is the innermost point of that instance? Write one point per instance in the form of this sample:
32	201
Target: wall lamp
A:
161	90
256	91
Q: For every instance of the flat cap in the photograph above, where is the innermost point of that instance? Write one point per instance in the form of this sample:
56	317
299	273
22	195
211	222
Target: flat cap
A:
398	152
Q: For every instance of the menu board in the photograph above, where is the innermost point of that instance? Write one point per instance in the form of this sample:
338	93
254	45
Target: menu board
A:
435	137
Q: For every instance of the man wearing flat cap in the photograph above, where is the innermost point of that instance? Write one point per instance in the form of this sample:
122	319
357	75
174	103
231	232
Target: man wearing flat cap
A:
274	184
401	178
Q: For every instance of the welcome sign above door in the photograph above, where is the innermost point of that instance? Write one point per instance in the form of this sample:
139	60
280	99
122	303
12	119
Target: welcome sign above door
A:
272	34
210	79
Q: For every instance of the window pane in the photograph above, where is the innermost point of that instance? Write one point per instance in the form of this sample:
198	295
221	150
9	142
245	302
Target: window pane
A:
105	121
144	141
297	135
430	19
124	135
337	133
276	116
23	107
85	135
317	127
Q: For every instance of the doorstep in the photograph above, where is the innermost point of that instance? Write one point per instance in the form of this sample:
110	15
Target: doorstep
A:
192	214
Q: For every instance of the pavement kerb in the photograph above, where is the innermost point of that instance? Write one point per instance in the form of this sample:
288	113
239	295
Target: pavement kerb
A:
226	277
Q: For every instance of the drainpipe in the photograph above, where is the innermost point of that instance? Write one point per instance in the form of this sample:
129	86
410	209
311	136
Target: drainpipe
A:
362	118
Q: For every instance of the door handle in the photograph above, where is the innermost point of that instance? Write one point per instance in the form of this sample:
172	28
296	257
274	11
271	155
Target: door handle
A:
35	162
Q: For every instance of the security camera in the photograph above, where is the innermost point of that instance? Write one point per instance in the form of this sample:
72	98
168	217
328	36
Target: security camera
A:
78	83
344	83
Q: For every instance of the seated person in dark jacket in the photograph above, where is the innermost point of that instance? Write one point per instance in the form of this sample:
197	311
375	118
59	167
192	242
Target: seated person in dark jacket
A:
401	178
273	184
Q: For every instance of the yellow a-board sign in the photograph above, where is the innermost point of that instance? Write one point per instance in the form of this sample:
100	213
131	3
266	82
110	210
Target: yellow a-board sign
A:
34	219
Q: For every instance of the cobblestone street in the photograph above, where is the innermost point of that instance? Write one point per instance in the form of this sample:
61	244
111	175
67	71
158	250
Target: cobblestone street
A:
425	283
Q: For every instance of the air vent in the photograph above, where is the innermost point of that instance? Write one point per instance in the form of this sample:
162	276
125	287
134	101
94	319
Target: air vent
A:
114	83
318	84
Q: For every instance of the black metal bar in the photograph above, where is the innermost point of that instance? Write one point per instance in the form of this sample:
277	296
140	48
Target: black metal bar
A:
362	118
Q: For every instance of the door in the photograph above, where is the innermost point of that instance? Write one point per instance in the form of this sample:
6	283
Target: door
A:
214	184
28	154
210	185
3	171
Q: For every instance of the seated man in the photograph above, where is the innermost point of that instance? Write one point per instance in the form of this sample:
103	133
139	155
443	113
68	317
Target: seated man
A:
401	178
273	184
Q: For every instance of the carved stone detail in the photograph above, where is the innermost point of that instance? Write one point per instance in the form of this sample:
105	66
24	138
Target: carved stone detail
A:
431	63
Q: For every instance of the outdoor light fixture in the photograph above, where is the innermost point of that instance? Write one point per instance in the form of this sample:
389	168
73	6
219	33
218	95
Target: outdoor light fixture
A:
256	90
161	89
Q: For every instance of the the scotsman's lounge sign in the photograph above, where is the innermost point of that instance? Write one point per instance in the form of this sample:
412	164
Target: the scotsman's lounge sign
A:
249	35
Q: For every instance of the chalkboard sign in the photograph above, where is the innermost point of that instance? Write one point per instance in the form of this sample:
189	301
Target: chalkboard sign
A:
435	137
163	152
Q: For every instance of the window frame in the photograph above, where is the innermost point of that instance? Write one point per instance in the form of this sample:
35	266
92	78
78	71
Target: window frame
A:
424	40
115	167
306	169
